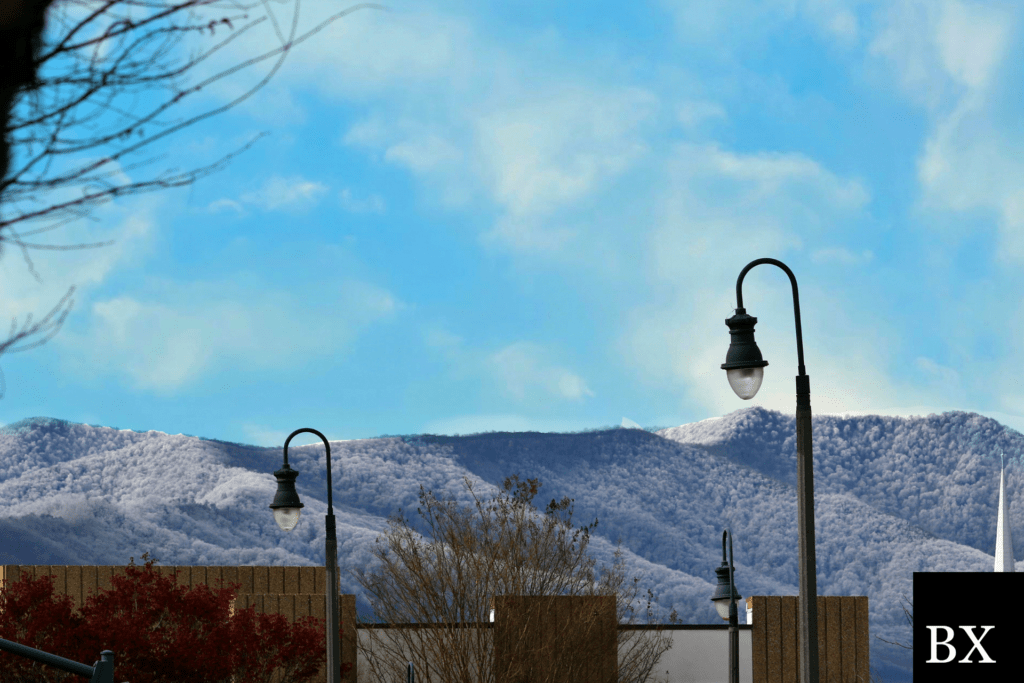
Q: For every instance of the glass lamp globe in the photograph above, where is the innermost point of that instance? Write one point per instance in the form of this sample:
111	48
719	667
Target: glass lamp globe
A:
745	381
287	518
722	606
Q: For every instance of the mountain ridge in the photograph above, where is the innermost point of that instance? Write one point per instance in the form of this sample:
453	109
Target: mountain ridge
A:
892	496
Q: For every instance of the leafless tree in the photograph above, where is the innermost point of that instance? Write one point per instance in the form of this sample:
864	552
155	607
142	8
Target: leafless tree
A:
909	616
446	580
60	103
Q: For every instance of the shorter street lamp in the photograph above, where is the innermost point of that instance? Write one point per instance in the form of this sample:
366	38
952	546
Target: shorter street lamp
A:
286	507
727	608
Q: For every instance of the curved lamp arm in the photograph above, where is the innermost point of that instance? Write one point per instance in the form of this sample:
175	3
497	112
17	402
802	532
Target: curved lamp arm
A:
796	302
330	502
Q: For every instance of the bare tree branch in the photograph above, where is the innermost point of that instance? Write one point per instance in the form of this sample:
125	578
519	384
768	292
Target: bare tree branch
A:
47	326
446	580
909	616
57	102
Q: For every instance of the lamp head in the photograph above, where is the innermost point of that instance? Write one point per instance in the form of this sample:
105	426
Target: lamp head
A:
721	596
286	505
743	364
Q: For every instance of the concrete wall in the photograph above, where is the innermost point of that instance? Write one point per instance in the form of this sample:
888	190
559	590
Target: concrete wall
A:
699	654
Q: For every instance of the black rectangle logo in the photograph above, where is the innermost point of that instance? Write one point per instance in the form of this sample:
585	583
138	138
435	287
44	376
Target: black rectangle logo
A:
964	626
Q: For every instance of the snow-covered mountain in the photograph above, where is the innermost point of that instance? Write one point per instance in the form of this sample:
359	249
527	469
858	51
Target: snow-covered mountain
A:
893	496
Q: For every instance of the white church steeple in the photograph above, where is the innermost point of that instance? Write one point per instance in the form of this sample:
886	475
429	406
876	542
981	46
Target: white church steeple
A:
1004	539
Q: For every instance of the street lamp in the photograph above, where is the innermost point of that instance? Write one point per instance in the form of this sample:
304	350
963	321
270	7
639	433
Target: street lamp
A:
727	607
745	370
286	507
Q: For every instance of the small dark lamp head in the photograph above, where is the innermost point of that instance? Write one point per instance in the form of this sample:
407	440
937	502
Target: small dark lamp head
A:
721	596
743	364
286	505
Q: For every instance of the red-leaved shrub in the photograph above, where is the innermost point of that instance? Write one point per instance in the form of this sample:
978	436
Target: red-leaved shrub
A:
159	632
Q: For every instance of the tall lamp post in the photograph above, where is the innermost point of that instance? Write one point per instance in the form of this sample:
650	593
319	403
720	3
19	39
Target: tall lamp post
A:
725	599
745	370
286	507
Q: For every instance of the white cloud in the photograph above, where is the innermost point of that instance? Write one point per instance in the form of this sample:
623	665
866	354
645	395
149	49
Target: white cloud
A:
936	49
224	205
259	435
971	158
531	152
727	23
278	192
422	48
843	24
724	28
372	203
182	332
717	193
429	152
692	114
527	235
128	222
947	377
770	171
972	40
439	338
357	57
368	133
559	147
746	206
522	369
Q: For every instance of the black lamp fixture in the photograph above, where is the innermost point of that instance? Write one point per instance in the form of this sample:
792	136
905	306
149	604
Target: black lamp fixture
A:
287	508
726	583
743	365
286	505
727	607
745	369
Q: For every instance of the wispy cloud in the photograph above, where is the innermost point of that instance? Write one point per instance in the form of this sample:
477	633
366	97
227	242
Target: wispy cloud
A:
181	332
258	435
279	192
225	205
372	203
522	369
693	114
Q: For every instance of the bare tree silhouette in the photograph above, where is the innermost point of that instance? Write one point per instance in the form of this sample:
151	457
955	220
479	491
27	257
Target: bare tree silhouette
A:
52	89
473	553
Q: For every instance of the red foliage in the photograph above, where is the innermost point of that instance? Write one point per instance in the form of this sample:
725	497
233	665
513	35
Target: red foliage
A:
160	633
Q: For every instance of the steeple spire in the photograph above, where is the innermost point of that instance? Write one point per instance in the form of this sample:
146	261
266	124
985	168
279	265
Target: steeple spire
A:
1004	539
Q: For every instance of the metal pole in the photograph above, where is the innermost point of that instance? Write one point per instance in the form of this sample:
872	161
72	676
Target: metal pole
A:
331	552
734	629
333	630
100	672
807	614
808	608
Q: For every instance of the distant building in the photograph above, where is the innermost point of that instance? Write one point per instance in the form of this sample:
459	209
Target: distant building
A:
1004	539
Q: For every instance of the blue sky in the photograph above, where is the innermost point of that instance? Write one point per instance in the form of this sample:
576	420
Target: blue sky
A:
519	216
